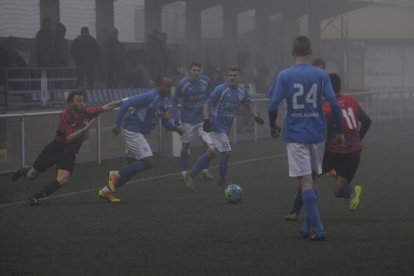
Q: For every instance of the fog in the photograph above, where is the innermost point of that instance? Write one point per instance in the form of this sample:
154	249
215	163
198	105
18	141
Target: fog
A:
370	43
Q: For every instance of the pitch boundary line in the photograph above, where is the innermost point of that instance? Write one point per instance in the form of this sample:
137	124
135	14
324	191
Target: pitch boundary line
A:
177	173
147	179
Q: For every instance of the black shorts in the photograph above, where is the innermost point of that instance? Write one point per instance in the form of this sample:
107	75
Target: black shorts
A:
55	154
345	164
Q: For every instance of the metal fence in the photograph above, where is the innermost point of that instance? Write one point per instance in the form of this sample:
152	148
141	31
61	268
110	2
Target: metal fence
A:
24	135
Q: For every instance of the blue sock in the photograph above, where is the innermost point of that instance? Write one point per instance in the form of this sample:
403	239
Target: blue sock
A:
223	167
307	222
312	212
184	160
201	163
128	171
298	203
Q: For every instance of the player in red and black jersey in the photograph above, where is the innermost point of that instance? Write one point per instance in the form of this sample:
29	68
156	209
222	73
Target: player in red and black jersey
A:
74	123
343	159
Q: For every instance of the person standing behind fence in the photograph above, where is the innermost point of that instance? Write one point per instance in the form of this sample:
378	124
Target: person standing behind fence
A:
74	123
44	44
142	113
85	52
61	46
114	59
191	92
219	112
304	87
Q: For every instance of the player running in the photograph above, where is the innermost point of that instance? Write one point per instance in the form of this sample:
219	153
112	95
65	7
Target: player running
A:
142	113
344	160
192	92
74	123
304	87
219	112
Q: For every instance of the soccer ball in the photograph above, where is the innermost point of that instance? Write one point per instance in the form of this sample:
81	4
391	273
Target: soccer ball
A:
233	193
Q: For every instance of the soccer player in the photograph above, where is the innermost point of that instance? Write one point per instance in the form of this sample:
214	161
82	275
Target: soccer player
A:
74	123
219	112
304	87
143	113
344	160
192	92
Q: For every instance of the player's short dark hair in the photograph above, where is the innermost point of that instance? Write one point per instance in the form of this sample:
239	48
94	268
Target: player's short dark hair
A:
233	68
196	64
301	46
159	79
336	82
74	93
318	62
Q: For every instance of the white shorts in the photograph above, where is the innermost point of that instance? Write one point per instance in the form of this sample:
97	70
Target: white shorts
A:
136	145
188	135
305	159
220	141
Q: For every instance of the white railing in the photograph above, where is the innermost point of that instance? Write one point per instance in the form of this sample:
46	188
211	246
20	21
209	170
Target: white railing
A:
23	135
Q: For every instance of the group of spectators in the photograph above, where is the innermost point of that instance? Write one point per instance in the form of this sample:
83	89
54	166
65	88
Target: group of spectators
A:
108	61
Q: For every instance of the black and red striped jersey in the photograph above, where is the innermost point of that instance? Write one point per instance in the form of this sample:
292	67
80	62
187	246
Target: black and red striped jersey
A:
69	123
350	110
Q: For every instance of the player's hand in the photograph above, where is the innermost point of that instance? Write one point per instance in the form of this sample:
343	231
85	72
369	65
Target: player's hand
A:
89	124
177	123
180	130
115	130
340	140
258	120
207	125
275	132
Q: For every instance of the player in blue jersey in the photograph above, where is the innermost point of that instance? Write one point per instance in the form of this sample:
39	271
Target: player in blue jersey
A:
298	203
343	161
142	113
304	87
219	112
191	92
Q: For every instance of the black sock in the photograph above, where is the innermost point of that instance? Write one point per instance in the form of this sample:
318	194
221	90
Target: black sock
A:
48	189
24	170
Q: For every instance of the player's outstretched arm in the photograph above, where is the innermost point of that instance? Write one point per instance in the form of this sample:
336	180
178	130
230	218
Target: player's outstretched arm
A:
112	105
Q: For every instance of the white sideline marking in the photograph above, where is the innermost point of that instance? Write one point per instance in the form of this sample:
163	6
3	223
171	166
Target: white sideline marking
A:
146	179
173	174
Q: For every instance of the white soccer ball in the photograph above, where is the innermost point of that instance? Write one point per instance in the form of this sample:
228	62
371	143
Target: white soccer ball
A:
233	193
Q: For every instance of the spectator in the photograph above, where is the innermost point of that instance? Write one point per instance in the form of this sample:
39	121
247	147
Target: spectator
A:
262	80
85	52
44	44
9	57
61	46
155	45
114	59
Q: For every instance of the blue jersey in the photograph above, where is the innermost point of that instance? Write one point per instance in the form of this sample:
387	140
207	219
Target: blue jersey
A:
223	104
144	112
193	96
304	87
